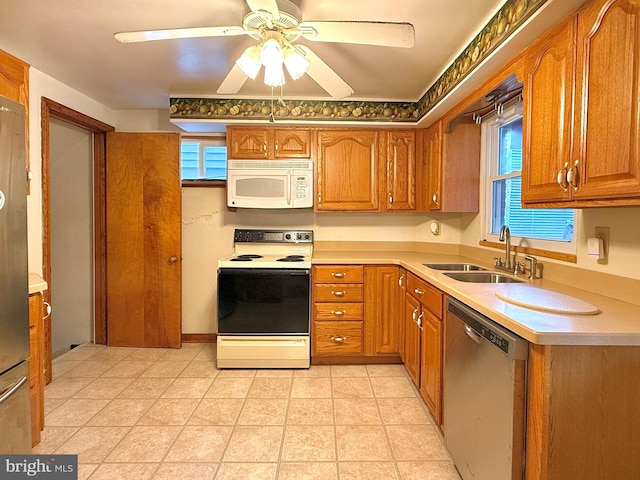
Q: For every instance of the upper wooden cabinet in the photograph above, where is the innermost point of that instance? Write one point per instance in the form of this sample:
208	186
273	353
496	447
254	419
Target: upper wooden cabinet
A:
450	163
268	143
399	175
346	170
593	59
14	84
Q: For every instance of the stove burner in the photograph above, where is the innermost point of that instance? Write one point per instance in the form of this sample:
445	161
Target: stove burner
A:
241	259
291	258
249	256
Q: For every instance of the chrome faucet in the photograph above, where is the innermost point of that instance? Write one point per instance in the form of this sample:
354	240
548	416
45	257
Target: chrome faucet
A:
505	236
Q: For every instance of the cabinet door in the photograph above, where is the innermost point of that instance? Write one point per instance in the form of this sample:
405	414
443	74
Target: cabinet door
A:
36	366
412	338
402	282
431	364
290	143
382	310
607	120
400	172
433	151
346	177
249	143
547	122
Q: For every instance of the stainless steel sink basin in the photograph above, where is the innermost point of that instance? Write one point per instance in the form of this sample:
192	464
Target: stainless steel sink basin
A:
482	277
453	266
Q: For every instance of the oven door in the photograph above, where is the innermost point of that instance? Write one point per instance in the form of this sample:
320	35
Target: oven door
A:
263	301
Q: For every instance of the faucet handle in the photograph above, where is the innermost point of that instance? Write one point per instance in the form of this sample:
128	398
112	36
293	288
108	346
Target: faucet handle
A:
499	262
519	269
533	266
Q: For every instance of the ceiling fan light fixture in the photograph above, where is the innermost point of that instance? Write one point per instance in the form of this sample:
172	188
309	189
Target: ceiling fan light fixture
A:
271	53
273	75
297	65
249	62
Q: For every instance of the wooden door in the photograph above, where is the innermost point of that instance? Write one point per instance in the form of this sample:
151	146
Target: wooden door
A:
291	143
247	143
400	174
433	151
143	216
346	170
412	338
547	123
382	310
431	364
607	120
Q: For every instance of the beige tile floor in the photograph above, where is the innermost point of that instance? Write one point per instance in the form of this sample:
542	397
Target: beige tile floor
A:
131	413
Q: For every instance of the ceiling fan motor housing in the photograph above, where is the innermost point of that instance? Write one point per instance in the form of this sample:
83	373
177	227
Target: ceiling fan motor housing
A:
288	20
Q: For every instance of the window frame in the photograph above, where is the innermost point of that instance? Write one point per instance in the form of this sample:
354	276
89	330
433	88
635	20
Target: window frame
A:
489	167
215	140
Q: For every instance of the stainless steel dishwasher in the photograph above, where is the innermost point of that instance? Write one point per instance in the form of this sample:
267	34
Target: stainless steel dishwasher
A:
484	395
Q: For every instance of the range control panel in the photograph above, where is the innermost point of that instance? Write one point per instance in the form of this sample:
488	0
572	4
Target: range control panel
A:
272	236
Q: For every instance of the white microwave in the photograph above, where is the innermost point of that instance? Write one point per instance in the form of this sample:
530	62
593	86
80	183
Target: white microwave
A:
270	183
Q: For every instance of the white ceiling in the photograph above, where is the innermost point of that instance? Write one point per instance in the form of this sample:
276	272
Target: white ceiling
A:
72	41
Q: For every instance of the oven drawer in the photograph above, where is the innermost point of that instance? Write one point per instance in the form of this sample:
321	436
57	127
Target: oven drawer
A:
338	273
338	311
332	292
337	338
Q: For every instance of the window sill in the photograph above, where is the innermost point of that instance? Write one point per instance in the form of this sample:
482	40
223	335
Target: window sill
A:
565	257
204	183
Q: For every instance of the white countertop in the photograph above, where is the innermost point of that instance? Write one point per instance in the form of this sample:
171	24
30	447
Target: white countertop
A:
617	323
36	283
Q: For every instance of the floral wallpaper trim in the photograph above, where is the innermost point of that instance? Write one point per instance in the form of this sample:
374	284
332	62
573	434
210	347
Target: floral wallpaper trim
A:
512	14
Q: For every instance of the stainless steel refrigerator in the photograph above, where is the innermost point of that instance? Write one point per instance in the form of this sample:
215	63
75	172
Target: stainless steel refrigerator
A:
15	422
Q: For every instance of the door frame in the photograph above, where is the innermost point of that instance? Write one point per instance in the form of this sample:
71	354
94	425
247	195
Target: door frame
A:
51	109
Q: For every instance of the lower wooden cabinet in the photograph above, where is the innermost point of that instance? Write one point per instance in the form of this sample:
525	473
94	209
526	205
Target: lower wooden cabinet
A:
383	305
36	365
412	337
431	364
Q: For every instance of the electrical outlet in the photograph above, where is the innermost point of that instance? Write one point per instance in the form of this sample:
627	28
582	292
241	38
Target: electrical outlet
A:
603	233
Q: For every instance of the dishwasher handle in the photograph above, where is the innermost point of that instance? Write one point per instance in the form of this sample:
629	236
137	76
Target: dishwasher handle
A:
478	327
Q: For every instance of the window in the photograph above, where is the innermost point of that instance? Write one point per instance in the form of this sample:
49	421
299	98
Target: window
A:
203	158
550	229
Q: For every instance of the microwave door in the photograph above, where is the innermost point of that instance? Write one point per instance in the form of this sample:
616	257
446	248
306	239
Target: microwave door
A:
253	189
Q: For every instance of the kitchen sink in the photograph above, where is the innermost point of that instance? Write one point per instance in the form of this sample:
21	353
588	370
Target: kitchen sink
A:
453	266
482	277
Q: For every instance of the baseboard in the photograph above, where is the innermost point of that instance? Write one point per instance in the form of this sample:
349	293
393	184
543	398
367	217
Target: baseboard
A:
355	360
199	337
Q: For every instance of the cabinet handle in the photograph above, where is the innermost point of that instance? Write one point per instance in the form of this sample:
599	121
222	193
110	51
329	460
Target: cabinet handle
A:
418	291
319	199
435	196
338	274
277	147
572	176
562	177
419	321
415	312
264	148
338	313
47	310
338	294
338	339
401	280
390	199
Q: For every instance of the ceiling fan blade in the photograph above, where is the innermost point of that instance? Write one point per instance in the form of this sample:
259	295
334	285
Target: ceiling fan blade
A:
233	81
264	6
325	76
175	33
388	34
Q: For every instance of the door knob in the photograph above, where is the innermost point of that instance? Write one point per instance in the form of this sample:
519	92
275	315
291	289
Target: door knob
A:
172	259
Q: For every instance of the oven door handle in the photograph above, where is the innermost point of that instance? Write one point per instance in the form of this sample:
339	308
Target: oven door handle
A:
288	187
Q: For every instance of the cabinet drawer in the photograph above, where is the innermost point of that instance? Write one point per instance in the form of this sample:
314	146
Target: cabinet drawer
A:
338	311
428	295
338	273
336	292
337	338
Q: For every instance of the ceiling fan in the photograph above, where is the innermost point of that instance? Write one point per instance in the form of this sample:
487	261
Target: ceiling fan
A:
276	25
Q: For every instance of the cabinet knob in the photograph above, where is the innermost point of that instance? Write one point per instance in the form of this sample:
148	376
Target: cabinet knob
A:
417	291
338	339
338	294
172	259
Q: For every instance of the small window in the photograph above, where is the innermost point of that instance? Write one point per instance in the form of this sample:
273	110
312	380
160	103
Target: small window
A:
203	159
550	229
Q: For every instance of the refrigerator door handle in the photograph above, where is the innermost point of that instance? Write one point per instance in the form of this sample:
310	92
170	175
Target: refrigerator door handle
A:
6	393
